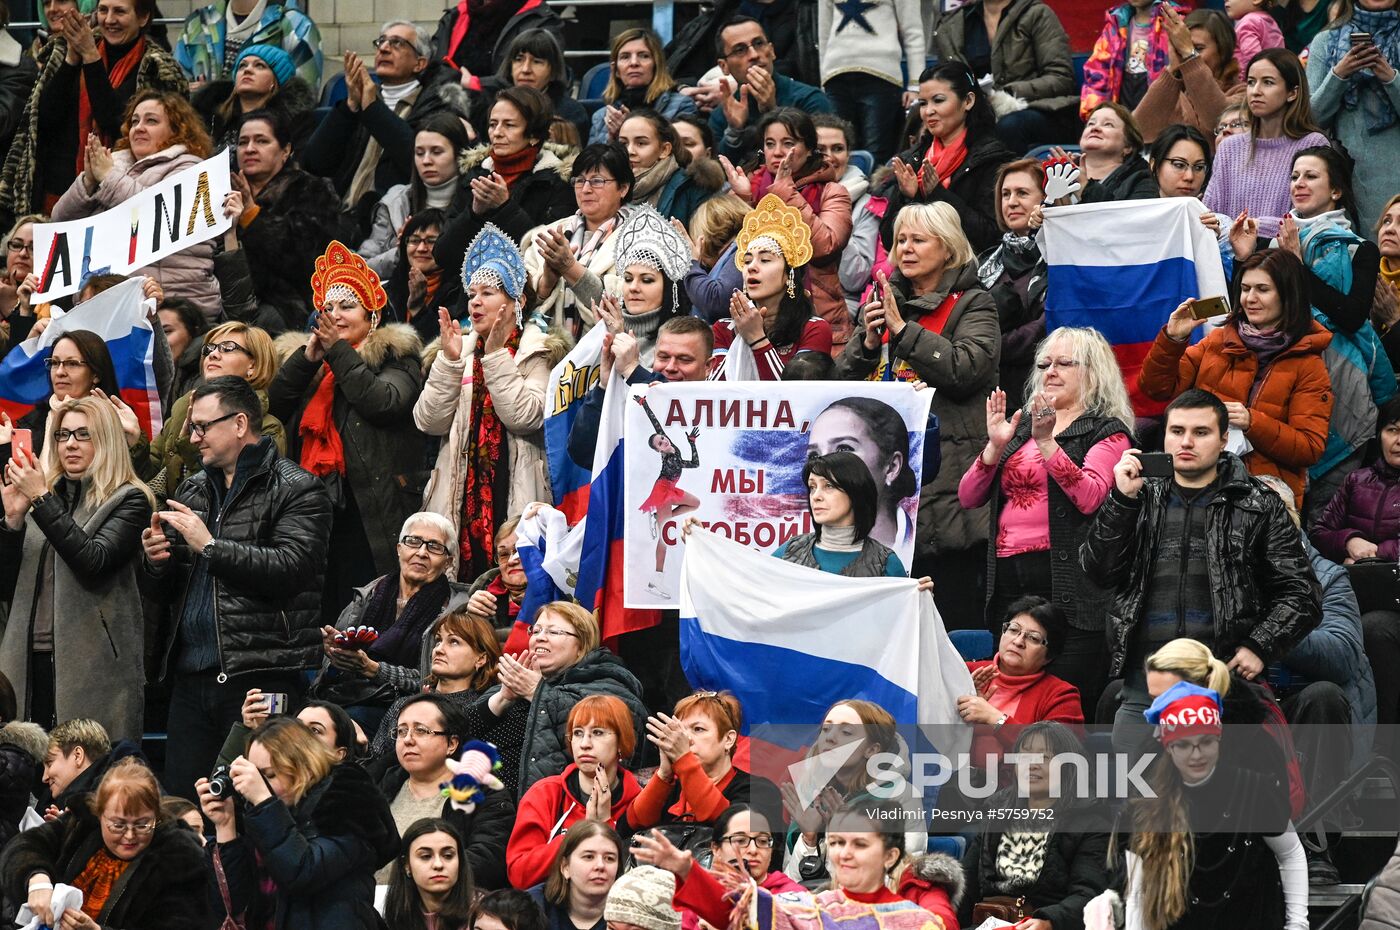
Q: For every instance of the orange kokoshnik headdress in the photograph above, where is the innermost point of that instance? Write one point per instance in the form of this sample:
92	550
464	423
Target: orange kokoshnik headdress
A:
340	273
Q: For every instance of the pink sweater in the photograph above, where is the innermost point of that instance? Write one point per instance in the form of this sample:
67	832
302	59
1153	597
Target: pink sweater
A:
1025	482
1254	32
1258	181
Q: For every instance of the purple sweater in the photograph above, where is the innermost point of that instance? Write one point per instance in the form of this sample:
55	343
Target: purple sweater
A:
1259	184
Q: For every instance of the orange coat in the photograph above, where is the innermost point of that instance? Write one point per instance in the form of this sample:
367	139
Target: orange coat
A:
1289	412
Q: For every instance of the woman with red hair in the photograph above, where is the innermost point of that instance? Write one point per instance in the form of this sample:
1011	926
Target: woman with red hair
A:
593	787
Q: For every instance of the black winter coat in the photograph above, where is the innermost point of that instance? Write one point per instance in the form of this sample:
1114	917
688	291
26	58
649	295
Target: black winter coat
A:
298	216
322	855
376	387
16	84
267	563
484	831
19	773
1264	594
972	191
540	16
1131	180
1073	871
162	889
542	196
296	100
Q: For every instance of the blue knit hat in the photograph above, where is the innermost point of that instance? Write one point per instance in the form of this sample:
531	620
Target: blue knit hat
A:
276	59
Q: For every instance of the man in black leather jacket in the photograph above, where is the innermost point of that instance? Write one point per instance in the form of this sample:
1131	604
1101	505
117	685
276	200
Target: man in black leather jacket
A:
1209	554
240	555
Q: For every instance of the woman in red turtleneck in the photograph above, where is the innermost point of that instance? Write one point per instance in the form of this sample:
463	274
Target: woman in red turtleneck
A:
515	182
1013	688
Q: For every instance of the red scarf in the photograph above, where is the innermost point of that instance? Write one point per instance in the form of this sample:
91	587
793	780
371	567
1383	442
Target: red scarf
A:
933	322
514	167
946	158
810	190
477	549
116	77
322	452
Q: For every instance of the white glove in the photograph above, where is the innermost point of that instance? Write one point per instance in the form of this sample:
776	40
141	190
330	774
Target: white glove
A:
1061	179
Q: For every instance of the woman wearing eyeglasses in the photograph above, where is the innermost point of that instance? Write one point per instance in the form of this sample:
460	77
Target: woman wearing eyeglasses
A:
19	265
1045	470
135	866
526	715
78	365
401	607
744	839
69	549
235	349
595	786
1013	688
431	729
300	837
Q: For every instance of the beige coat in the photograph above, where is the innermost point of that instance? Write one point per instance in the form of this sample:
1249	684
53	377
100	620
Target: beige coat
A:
601	276
517	385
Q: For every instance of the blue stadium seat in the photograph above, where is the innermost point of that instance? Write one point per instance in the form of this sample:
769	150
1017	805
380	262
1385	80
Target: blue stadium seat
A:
333	92
972	645
1079	62
864	161
954	846
1042	152
595	81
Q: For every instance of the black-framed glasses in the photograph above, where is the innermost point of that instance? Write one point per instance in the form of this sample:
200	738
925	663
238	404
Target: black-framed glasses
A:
742	840
418	542
597	182
419	731
68	364
198	429
415	241
19	245
395	43
1010	628
224	348
82	434
757	45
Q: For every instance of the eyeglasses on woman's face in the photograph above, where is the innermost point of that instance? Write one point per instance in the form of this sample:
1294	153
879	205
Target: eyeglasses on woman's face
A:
741	840
1046	364
402	731
67	364
418	542
543	632
1014	631
81	434
223	348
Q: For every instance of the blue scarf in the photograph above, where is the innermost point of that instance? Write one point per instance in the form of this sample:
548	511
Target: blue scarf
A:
1364	90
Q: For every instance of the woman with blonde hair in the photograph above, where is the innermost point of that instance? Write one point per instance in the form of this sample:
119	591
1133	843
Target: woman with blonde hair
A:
714	274
637	79
1045	470
931	321
525	714
235	349
313	830
70	547
135	866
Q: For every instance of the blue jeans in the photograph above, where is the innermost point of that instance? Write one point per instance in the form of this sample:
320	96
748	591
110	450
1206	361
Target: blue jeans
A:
875	107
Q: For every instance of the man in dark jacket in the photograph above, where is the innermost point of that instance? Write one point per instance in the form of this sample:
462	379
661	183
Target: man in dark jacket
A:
365	144
1209	554
747	55
241	554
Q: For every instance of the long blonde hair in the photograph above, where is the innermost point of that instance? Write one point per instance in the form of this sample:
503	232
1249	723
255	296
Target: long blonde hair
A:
111	461
1163	841
1102	391
296	753
1193	661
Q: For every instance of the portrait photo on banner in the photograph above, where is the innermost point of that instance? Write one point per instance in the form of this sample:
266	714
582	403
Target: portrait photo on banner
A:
731	454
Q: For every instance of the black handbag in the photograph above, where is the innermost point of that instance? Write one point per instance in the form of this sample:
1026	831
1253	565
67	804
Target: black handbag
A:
1376	583
687	836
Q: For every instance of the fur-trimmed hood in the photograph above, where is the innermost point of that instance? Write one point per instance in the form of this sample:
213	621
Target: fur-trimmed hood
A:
554	156
939	869
28	737
391	340
535	338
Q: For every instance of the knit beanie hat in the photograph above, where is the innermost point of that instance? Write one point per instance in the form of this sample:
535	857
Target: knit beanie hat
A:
276	59
643	897
1185	710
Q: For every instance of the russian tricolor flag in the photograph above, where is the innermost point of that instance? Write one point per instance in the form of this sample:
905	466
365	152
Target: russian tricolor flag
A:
599	586
1123	267
790	641
118	315
569	381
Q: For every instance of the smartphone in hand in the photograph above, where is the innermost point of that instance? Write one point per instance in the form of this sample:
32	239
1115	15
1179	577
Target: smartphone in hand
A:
1203	308
21	441
1156	464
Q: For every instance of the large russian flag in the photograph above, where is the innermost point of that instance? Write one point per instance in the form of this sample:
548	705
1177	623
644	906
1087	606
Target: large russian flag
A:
599	584
569	381
790	641
1122	268
118	315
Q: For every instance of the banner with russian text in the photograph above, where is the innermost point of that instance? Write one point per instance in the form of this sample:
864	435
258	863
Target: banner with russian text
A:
731	455
183	210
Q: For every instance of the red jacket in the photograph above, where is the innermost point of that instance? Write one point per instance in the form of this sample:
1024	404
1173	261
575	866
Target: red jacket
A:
1050	698
546	813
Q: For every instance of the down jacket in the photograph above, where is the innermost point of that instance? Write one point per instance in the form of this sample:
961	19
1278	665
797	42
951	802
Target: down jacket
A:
23	747
375	388
189	273
517	388
267	562
98	628
1263	592
1289	409
1367	506
961	364
172	452
322	855
1030	52
162	889
530	735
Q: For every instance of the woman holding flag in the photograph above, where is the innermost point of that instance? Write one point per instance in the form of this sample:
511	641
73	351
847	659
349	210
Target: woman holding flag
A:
931	321
485	396
70	549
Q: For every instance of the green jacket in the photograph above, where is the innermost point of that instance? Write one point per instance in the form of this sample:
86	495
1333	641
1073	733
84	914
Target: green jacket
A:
1030	52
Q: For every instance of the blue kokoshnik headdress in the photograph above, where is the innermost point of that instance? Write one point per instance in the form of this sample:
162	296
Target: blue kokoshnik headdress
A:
493	258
